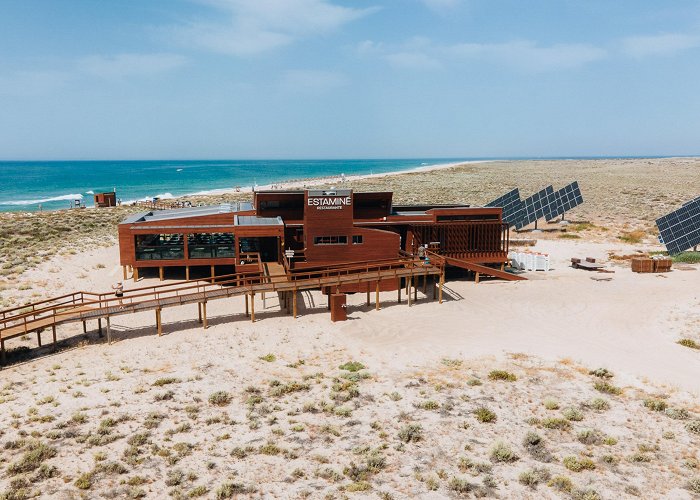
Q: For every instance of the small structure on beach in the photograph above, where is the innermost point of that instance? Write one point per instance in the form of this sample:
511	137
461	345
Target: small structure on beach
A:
108	199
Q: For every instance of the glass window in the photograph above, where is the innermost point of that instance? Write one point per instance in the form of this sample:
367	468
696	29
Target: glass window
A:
211	245
357	239
160	247
330	240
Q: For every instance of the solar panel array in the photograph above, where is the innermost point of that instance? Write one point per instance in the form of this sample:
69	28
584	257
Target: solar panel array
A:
680	230
512	206
540	205
567	198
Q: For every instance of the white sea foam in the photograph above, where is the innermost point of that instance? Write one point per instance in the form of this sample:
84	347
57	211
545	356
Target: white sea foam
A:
64	197
89	192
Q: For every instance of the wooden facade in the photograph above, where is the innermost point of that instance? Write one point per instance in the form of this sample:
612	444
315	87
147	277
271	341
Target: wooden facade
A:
103	200
310	229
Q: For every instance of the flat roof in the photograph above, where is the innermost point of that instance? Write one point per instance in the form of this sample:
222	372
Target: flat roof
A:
253	220
183	213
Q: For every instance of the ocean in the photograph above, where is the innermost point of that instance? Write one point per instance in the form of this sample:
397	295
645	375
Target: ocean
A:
55	184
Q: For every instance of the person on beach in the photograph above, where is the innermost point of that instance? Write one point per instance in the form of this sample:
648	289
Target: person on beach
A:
119	291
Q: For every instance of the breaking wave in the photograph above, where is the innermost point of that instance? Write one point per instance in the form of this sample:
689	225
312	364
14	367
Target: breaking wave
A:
65	197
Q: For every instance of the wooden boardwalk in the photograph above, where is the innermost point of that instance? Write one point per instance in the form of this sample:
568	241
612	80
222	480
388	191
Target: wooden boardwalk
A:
83	306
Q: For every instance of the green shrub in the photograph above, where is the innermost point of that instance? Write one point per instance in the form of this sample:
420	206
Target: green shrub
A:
32	459
573	414
231	490
352	366
484	415
590	436
269	358
598	404
429	405
166	380
551	404
655	404
556	423
220	398
689	343
576	464
693	426
460	485
411	433
601	373
693	485
502	375
687	257
677	413
533	477
561	483
607	388
501	452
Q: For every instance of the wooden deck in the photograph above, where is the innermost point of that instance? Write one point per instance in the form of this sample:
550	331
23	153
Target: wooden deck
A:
83	306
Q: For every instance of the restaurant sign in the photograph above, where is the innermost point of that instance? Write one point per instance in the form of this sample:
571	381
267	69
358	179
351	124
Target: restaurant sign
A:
329	201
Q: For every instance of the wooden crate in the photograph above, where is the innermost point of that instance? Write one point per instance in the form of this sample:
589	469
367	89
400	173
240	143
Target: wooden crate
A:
662	265
642	265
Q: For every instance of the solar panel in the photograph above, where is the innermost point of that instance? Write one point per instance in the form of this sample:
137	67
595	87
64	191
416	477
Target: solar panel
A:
567	198
511	204
680	230
539	205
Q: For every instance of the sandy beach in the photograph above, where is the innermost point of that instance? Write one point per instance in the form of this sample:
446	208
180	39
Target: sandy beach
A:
562	386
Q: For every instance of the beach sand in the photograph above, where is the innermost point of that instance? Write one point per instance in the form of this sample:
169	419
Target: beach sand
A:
146	416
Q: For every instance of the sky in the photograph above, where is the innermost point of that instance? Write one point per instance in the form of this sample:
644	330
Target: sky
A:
205	79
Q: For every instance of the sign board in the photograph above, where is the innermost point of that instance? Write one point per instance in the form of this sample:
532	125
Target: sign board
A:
330	200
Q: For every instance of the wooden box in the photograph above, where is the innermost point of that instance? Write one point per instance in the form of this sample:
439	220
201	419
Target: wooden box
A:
662	265
642	265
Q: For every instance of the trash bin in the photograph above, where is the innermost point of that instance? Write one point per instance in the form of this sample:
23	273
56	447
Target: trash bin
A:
338	307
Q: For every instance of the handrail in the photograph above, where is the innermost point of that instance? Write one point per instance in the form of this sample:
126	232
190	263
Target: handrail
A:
108	300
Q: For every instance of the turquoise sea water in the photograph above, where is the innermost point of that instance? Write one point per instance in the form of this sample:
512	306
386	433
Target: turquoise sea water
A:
54	184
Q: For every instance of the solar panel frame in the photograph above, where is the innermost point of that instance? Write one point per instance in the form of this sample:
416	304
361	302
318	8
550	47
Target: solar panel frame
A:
511	204
680	230
540	205
567	198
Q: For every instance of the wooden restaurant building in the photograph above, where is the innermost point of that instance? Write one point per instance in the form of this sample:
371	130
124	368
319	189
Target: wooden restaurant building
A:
298	230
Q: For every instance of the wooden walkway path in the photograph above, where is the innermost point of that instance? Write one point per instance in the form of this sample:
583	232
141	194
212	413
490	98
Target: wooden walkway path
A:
83	306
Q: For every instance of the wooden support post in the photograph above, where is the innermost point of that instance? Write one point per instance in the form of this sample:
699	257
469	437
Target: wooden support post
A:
53	331
199	312
136	274
246	306
109	331
377	297
415	290
503	266
408	285
442	284
187	273
124	272
264	301
84	326
160	273
294	303
213	272
99	327
204	315
252	307
476	278
159	325
329	298
425	283
3	358
38	337
399	291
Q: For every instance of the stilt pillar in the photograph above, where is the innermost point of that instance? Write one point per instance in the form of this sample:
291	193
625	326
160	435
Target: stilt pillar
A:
204	315
246	306
38	337
415	290
124	272
252	307
3	358
159	324
377	297
213	273
136	274
294	304
99	327
109	331
84	326
399	291
187	273
476	278
199	312
53	331
442	284
329	298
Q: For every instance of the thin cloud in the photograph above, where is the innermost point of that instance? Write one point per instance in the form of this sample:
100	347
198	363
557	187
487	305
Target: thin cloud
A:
32	83
413	60
127	65
659	45
312	80
527	55
442	6
252	27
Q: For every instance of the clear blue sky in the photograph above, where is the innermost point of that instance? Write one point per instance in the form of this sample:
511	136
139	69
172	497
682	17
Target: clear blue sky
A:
150	79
